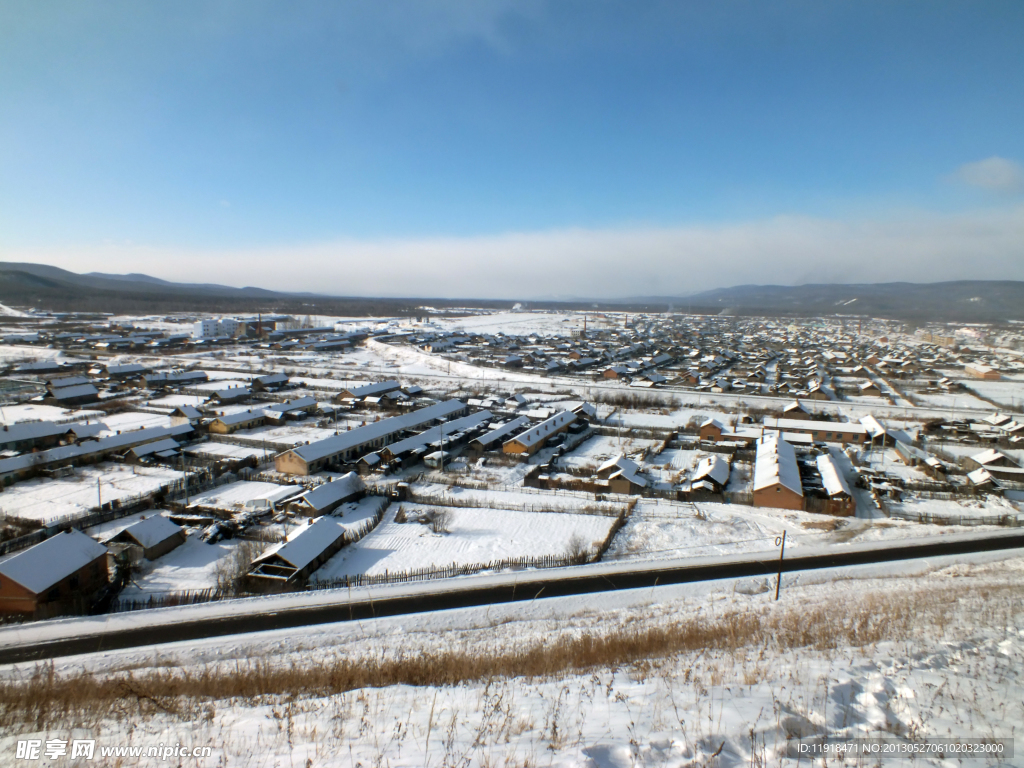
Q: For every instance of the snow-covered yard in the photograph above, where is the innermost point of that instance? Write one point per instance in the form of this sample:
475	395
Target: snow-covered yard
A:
129	421
596	450
941	509
191	566
44	499
951	402
473	537
1009	393
233	497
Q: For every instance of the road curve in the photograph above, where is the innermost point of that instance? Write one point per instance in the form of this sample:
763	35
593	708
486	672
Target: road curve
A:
537	585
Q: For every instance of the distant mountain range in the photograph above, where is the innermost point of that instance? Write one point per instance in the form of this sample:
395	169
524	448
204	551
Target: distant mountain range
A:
39	285
43	278
961	300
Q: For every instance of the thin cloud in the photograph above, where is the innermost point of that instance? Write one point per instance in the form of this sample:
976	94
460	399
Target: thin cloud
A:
914	247
996	174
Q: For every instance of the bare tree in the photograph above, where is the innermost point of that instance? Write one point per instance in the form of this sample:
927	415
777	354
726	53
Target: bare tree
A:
441	521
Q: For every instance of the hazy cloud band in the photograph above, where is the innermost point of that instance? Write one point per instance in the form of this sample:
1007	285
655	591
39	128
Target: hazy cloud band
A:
917	247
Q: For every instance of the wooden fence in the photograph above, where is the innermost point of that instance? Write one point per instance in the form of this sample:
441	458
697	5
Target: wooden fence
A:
170	599
448	571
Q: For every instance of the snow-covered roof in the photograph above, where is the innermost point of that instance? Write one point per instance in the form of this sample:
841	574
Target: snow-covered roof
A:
292	405
505	429
375	389
980	477
79	390
31	430
714	467
150	531
332	446
775	464
324	495
620	462
271	379
873	426
585	409
806	425
231	393
305	545
831	478
239	418
40	567
90	447
991	456
545	429
167	444
434	434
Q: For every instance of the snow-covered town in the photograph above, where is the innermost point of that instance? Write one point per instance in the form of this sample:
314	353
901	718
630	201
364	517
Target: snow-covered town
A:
511	384
158	469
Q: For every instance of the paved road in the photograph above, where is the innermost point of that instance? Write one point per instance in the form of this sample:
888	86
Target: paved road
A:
537	585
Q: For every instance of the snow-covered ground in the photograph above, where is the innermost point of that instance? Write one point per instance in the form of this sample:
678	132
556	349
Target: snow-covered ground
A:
473	537
44	499
170	402
233	497
985	507
721	675
951	402
1008	393
14	414
596	450
131	420
292	433
193	565
888	461
227	451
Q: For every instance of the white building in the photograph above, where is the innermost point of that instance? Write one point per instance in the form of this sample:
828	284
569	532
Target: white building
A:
209	328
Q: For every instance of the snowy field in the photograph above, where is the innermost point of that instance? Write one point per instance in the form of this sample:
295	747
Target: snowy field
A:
1008	393
474	537
728	677
75	495
14	414
951	402
986	507
659	529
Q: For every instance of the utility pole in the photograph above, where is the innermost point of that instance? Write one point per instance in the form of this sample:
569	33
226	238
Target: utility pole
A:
442	448
780	541
99	493
184	472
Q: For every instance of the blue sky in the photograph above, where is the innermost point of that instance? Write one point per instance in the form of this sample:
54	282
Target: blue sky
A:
225	136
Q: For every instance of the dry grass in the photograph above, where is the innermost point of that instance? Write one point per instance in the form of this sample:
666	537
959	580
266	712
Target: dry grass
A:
46	699
822	525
